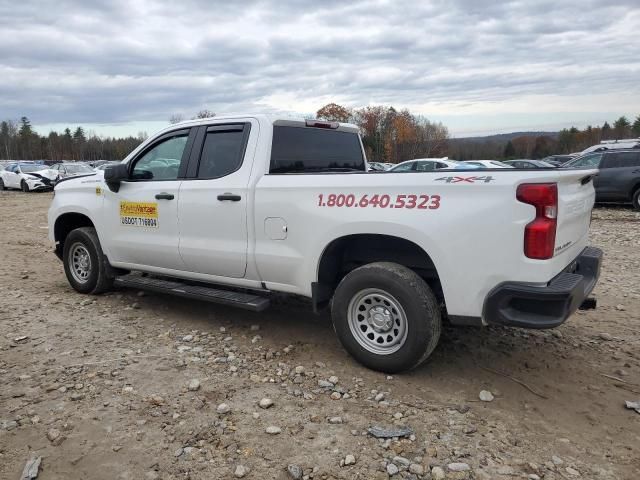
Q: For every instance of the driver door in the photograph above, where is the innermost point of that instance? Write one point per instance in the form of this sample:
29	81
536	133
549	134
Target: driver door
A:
142	217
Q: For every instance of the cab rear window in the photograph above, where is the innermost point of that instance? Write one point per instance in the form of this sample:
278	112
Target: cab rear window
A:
308	149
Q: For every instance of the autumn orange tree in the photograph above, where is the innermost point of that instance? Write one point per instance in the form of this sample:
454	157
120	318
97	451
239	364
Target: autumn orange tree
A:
389	135
334	113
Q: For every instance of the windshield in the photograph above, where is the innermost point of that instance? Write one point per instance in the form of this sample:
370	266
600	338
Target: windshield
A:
26	168
78	169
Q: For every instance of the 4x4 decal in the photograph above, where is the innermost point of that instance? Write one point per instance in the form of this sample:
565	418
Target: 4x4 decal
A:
457	179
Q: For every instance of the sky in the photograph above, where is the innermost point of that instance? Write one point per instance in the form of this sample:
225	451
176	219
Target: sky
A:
480	67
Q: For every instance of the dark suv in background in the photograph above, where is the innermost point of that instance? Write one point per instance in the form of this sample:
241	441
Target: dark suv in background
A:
619	177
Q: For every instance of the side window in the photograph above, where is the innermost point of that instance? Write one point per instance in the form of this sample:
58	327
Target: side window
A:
162	162
634	161
426	166
622	159
441	165
407	167
223	151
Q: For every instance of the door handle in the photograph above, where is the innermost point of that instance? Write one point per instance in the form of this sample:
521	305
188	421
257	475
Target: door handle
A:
230	197
164	196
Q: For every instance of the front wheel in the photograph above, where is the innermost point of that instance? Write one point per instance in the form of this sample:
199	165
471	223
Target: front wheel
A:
24	186
84	263
2	185
636	199
386	317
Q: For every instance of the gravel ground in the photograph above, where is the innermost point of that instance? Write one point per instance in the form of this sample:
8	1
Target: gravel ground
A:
140	386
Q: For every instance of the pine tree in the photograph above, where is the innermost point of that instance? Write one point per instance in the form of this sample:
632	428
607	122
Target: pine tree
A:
622	128
509	150
25	131
635	128
79	136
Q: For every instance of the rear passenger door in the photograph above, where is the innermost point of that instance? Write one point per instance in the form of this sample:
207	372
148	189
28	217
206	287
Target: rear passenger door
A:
214	198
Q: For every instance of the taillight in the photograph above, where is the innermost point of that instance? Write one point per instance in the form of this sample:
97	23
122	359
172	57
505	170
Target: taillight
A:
540	234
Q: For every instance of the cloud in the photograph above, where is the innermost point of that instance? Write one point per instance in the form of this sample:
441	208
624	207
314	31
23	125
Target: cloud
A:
124	61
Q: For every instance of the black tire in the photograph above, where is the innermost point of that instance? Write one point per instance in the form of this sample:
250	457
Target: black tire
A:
2	185
635	199
417	301
99	274
24	186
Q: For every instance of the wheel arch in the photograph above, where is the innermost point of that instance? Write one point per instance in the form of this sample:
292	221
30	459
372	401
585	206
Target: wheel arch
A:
345	253
66	223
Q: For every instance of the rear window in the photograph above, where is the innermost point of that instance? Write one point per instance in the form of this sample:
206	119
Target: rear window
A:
308	149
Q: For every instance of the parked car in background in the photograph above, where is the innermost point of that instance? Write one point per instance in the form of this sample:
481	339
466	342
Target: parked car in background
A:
376	167
619	178
97	163
71	169
525	163
104	165
429	164
27	176
613	145
559	160
487	163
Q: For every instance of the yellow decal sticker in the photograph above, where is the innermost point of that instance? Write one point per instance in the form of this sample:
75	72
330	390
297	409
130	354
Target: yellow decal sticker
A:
98	191
139	214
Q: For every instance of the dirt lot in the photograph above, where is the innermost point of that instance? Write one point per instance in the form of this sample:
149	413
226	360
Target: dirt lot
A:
129	386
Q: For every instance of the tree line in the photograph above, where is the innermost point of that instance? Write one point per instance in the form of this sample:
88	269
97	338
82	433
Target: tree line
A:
568	140
18	141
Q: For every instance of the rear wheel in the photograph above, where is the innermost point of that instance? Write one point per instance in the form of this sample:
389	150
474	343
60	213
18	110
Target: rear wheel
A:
24	186
636	199
84	263
2	185
386	316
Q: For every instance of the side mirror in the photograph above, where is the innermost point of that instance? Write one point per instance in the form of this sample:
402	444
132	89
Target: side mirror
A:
115	174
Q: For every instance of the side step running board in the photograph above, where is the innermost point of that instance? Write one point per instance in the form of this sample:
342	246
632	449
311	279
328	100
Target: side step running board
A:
248	301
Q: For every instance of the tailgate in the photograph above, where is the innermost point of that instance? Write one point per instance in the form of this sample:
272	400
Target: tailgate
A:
576	196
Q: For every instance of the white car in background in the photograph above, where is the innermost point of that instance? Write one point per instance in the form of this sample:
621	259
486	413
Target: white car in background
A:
430	164
613	145
487	163
27	177
71	169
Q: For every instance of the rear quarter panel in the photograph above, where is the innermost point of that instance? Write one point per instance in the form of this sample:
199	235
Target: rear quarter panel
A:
474	236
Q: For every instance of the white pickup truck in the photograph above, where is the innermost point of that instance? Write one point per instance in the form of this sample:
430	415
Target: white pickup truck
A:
231	209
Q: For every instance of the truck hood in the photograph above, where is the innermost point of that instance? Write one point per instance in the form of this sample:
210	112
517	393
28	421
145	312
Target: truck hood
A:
79	179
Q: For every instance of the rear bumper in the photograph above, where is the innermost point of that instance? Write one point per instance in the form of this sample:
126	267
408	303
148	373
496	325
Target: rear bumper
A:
528	306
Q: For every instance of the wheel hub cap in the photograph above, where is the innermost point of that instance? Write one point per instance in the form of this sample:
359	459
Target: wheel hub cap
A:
380	319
